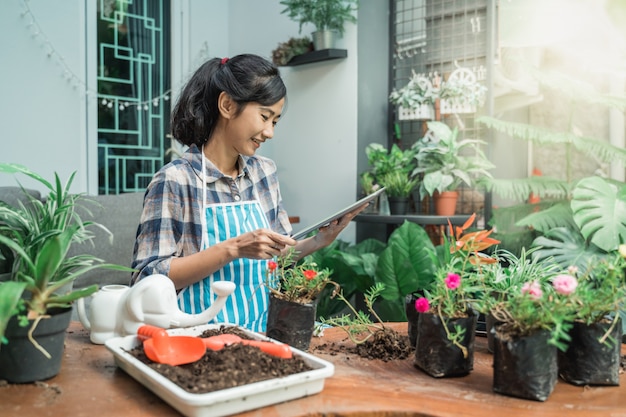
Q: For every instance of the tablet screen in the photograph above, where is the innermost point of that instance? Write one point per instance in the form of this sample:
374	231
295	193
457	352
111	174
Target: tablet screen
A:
304	232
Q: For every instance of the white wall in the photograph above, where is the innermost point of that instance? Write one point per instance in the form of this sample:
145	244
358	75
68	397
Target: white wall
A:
42	115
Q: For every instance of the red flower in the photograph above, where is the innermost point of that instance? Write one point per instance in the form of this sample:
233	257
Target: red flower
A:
309	274
422	305
271	265
453	281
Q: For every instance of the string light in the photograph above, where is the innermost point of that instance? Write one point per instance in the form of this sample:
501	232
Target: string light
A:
70	76
75	81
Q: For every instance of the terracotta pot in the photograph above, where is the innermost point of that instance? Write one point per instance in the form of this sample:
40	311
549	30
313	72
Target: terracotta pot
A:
445	203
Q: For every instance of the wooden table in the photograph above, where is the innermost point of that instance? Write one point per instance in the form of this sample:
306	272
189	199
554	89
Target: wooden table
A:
90	385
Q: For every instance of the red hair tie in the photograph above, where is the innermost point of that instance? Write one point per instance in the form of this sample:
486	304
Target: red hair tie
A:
224	60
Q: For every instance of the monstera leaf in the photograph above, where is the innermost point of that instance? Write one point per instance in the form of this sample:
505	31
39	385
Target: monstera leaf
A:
599	207
566	247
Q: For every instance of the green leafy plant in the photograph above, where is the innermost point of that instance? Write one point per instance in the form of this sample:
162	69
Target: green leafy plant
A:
299	282
38	236
418	91
358	325
398	184
383	161
446	162
451	294
323	14
287	50
520	294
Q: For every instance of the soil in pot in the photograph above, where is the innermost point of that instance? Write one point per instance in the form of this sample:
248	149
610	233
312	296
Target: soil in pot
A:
290	322
232	366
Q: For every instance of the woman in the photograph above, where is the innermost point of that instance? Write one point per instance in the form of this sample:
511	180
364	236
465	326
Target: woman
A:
216	213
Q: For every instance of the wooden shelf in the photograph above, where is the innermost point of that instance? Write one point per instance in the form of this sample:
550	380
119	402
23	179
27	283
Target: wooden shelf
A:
317	56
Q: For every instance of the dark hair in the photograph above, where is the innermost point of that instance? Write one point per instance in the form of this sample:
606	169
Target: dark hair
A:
245	78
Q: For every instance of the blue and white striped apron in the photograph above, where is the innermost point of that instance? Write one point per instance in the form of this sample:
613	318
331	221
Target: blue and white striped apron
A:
247	305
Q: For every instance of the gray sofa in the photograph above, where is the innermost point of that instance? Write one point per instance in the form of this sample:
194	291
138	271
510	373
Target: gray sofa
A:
118	213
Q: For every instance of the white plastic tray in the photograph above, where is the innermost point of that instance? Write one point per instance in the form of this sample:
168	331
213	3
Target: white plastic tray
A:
227	401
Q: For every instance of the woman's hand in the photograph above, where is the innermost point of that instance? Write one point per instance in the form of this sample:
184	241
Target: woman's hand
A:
327	234
261	244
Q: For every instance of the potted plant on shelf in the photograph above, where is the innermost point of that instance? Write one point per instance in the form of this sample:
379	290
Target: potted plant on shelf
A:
447	162
461	92
294	289
287	50
398	187
35	303
383	161
328	16
416	99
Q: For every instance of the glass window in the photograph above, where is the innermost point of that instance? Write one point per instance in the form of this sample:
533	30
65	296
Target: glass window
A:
133	92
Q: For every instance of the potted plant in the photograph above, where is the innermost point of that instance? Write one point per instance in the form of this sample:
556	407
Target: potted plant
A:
398	187
39	292
593	357
447	319
461	93
328	16
287	50
415	100
532	319
294	289
447	162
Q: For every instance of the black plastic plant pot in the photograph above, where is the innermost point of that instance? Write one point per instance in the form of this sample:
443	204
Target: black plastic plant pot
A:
435	354
524	367
290	322
411	318
21	361
587	361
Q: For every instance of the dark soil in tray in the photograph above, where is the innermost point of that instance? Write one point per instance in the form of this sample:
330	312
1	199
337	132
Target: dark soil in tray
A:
232	366
238	364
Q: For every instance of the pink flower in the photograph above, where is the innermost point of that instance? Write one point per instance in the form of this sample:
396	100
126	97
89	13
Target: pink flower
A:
422	305
453	281
533	289
564	284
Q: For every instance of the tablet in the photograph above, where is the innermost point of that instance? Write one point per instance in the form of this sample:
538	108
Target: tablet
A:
304	232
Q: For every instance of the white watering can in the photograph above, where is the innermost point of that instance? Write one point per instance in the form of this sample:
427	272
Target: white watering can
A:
119	310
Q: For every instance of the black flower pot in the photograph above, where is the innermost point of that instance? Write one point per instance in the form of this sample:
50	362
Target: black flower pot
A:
21	361
398	205
290	322
524	367
411	317
435	354
589	362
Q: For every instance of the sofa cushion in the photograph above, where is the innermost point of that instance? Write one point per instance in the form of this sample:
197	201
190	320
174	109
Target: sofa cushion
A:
120	214
13	195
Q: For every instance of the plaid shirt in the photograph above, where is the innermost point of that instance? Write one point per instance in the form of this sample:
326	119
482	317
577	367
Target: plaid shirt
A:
171	222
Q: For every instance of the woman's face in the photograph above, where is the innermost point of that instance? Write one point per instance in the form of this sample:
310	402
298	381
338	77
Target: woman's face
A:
253	126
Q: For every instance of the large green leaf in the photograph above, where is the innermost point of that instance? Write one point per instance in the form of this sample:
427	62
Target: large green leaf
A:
10	294
408	262
566	247
599	207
